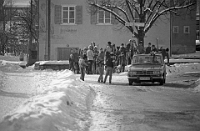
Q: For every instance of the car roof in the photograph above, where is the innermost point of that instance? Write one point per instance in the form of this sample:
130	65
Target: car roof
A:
157	54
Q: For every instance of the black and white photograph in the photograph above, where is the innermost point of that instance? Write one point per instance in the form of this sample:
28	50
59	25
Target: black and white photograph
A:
99	65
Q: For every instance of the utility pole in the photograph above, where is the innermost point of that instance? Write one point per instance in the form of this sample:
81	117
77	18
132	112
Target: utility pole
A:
198	7
30	35
48	22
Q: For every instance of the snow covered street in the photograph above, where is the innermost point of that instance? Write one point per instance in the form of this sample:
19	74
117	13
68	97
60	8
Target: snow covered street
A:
34	100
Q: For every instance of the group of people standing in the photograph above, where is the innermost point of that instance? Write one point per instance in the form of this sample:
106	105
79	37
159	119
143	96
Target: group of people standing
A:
164	52
92	60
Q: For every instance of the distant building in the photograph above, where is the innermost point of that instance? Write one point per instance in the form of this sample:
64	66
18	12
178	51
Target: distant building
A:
73	26
183	31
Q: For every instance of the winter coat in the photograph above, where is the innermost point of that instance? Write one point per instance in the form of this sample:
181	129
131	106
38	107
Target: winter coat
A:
100	59
82	63
90	55
110	62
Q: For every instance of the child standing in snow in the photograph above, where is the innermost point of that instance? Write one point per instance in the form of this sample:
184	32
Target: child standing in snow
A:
82	66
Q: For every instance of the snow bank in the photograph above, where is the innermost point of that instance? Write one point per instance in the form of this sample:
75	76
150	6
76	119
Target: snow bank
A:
180	60
183	68
63	106
197	86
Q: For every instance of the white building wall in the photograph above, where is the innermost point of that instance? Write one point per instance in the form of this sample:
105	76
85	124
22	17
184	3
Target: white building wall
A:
159	34
83	34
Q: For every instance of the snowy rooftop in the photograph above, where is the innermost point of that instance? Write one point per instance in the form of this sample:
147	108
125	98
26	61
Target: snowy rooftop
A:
17	3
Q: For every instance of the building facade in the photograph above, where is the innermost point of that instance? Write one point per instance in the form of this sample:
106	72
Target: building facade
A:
82	27
73	26
183	31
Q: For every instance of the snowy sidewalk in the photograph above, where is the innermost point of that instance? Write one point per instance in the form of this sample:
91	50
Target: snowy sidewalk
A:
195	55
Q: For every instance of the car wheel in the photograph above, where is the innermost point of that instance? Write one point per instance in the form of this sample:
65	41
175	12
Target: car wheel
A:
162	81
130	82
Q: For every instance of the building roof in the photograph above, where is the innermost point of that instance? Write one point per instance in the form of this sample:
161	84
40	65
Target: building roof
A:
16	3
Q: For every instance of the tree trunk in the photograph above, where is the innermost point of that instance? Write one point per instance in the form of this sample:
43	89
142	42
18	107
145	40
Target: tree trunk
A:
141	35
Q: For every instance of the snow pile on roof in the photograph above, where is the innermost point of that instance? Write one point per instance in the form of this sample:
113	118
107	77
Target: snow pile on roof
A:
66	62
9	57
63	106
17	3
11	65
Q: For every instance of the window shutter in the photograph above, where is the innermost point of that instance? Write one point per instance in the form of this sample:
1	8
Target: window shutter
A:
113	19
58	12
93	16
79	14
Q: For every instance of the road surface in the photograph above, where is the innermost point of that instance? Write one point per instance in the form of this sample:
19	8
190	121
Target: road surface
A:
146	107
119	107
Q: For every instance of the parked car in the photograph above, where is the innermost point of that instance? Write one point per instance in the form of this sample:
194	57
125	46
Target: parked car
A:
147	68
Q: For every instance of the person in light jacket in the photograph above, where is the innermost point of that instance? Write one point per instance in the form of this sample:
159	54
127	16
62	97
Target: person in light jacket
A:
100	65
109	68
82	66
90	58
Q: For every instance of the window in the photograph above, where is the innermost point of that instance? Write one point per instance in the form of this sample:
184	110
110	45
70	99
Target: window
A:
175	29
68	14
104	17
186	29
150	59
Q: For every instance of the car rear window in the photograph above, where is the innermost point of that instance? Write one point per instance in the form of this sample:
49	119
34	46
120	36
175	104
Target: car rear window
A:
145	59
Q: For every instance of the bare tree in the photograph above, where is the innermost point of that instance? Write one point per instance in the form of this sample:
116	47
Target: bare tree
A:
30	19
146	12
3	34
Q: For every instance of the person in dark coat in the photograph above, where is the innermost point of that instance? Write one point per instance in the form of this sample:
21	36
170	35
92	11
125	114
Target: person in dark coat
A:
109	67
148	49
167	55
